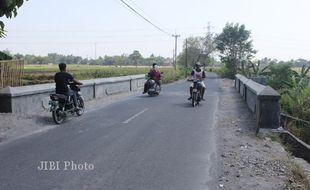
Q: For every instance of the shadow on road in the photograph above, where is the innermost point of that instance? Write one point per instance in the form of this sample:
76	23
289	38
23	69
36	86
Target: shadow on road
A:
146	96
184	105
45	120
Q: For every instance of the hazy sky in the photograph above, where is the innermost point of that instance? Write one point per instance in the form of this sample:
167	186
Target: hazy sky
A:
280	28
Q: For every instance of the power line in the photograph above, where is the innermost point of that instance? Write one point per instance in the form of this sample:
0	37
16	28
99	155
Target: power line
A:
17	30
147	15
145	18
87	43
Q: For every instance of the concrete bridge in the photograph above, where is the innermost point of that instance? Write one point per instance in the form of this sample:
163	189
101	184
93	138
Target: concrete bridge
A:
138	142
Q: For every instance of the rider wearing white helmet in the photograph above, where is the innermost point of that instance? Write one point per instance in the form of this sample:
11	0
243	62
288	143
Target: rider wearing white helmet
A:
197	74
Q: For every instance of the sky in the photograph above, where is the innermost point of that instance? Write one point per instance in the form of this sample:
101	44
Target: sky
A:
279	28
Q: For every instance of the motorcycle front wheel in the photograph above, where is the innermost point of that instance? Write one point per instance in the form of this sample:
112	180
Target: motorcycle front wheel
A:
80	105
58	115
158	89
194	97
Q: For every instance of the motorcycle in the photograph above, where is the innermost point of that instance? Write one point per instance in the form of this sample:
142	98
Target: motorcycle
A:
154	88
62	105
196	93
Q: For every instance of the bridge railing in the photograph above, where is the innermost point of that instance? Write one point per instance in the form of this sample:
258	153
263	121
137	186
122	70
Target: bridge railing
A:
262	100
29	99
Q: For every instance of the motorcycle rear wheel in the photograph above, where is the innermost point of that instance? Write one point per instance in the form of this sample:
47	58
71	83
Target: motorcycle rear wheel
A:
58	115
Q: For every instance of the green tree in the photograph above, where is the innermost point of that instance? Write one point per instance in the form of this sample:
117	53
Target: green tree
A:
279	75
257	69
135	57
108	60
235	47
301	63
155	59
39	60
191	53
121	59
4	56
208	47
8	8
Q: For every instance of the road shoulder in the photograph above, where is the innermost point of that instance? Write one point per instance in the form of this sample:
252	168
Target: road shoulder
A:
249	161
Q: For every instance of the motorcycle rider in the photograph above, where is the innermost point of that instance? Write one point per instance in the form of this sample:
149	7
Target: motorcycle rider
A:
62	80
197	74
155	75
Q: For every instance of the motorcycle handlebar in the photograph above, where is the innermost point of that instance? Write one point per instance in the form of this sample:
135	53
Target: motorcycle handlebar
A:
75	83
193	80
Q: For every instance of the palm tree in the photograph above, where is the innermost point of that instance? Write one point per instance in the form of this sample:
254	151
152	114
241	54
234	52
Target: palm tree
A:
257	70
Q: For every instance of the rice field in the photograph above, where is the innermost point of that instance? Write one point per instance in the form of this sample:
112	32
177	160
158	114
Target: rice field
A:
40	74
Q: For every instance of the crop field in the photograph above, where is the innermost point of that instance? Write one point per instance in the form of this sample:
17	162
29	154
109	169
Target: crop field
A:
40	74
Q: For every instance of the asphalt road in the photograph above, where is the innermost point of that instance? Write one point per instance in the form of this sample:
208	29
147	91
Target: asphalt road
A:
136	143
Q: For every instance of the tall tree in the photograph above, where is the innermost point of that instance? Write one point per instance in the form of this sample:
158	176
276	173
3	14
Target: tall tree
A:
135	57
8	8
235	47
192	49
208	48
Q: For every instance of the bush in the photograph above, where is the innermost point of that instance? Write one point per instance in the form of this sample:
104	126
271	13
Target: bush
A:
296	102
171	76
225	72
279	74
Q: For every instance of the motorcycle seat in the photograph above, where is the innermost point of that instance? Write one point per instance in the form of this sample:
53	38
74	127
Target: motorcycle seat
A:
59	97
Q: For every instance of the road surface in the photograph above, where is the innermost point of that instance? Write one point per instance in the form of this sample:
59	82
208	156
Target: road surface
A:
136	143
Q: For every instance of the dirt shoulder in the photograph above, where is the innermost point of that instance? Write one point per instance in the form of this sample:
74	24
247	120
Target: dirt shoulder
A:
248	161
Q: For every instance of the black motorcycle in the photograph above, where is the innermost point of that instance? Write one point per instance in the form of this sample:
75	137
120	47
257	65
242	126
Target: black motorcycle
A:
196	93
62	105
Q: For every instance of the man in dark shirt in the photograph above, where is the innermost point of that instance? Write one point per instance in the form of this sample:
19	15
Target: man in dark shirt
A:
62	80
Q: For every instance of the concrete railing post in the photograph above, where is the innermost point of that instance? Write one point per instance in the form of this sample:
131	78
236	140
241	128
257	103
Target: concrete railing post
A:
5	100
94	91
268	108
262	100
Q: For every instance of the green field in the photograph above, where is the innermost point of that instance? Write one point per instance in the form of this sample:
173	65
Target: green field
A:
39	74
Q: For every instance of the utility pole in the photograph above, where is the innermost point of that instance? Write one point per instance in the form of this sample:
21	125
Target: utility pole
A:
95	50
186	67
175	50
209	28
208	43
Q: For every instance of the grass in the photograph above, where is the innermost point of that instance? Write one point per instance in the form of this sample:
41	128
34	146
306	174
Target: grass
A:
298	180
40	74
275	137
